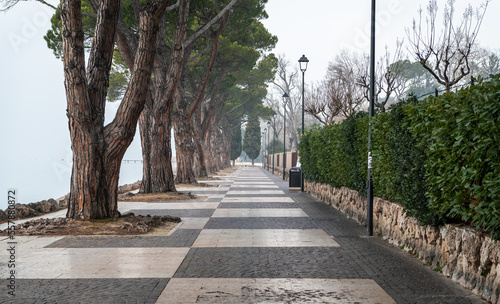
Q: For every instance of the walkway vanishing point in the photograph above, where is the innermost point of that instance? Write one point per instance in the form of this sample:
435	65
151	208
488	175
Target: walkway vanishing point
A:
251	240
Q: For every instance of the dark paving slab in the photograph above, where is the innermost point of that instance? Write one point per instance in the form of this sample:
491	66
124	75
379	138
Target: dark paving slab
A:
289	262
174	212
257	205
84	291
180	238
213	200
401	275
260	223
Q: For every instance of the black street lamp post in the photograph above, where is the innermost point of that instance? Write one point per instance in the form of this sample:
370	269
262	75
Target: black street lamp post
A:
369	203
264	159
274	135
268	133
285	100
262	143
303	61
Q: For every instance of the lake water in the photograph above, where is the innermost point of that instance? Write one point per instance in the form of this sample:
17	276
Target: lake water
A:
37	161
36	180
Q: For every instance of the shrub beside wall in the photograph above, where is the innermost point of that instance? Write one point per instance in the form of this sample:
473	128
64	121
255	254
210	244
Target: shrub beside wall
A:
337	154
398	169
440	158
461	136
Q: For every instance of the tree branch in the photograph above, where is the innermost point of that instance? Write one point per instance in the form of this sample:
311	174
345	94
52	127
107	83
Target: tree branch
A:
207	26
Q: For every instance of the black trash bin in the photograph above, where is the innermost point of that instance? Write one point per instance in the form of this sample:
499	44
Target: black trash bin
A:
295	177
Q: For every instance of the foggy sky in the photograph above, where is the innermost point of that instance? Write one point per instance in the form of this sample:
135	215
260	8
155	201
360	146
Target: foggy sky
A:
34	125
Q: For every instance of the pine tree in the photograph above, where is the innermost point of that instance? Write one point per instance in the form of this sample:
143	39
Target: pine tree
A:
251	140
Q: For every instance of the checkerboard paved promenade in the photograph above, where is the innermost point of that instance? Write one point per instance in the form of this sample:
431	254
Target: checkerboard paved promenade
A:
250	240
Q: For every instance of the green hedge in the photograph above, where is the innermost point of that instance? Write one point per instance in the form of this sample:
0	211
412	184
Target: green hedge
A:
398	163
461	136
337	154
440	158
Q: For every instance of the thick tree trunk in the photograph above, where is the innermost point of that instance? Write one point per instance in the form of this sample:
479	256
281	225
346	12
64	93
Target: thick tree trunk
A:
157	170
210	145
155	122
98	150
201	149
226	147
85	94
202	152
88	195
185	149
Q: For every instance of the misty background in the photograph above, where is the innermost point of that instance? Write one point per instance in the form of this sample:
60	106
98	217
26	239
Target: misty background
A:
35	153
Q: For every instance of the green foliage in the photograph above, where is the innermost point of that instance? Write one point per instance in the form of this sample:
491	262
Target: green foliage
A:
53	36
118	79
337	154
398	163
439	158
460	135
236	147
251	140
418	80
278	146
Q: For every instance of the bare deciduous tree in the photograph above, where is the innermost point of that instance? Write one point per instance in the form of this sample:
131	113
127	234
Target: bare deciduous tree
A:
389	78
446	54
343	89
319	105
287	81
339	94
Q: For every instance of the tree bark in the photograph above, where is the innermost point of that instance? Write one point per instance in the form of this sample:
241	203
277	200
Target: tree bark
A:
184	145
157	171
185	133
155	122
98	150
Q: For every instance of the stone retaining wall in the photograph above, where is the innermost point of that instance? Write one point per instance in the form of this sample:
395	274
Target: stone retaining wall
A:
463	254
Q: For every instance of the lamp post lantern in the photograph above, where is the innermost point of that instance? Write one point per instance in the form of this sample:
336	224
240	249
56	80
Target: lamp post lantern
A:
303	61
285	100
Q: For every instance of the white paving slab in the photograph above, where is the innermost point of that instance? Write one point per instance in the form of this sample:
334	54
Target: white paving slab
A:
255	186
253	183
264	238
257	200
254	192
193	222
204	189
176	206
52	263
215	290
259	212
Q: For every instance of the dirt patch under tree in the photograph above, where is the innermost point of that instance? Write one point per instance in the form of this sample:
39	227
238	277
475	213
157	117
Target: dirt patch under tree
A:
128	224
